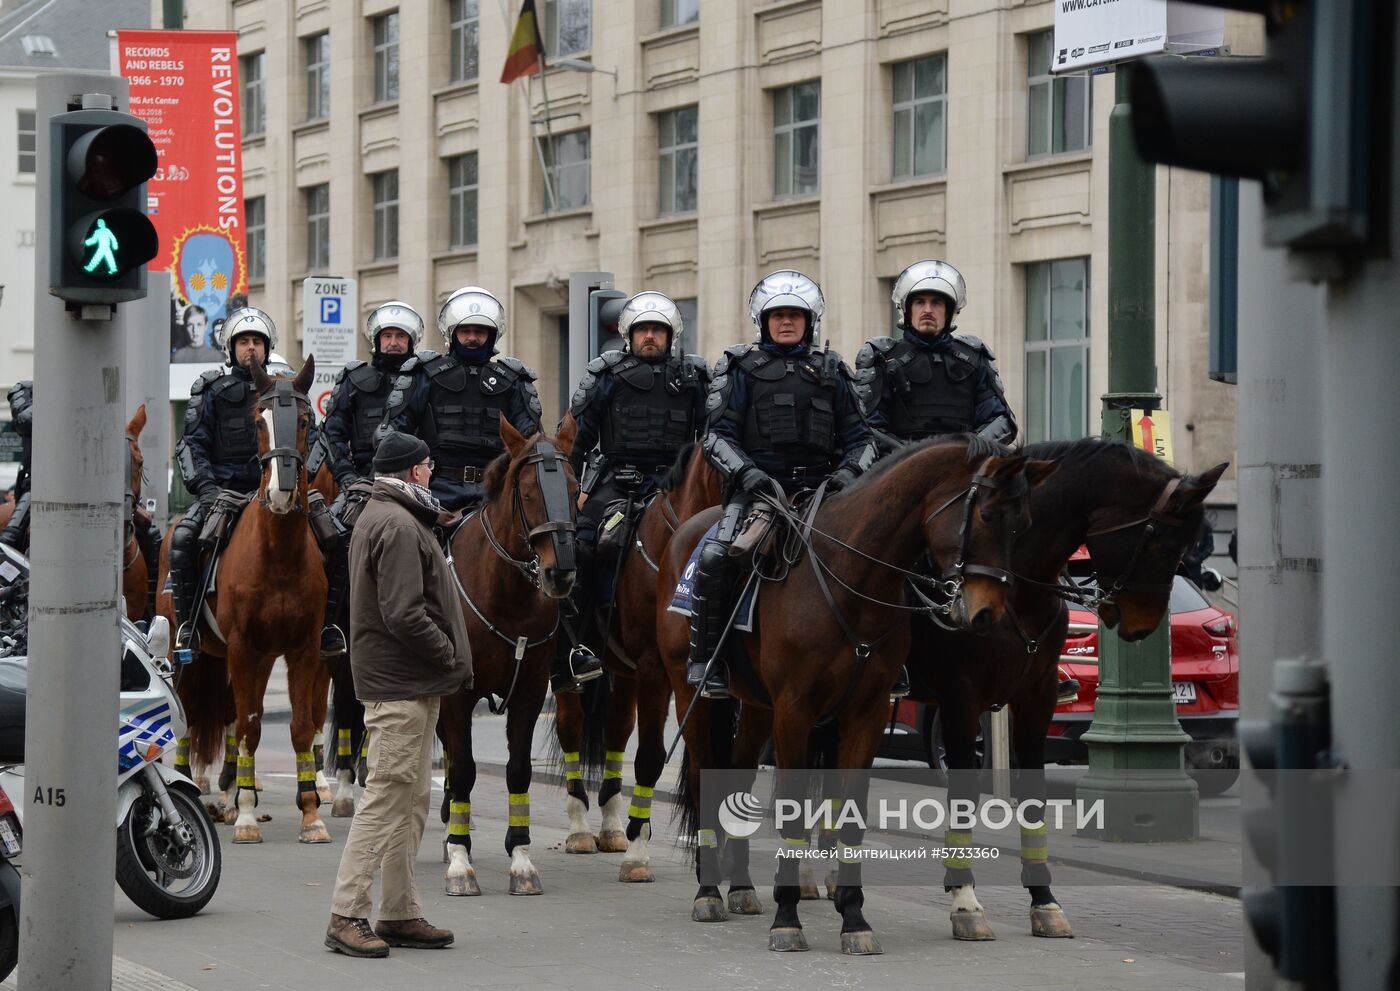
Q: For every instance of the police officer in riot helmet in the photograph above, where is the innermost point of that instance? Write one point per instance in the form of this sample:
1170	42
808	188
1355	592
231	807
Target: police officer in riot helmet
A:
21	397
930	381
783	414
454	401
357	407
635	408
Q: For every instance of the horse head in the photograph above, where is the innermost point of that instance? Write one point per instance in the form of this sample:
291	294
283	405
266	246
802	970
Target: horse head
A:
980	526
283	422
135	461
1136	554
536	470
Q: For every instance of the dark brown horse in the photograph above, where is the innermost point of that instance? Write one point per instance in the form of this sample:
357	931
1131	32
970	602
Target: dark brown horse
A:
814	664
641	692
137	567
268	601
1137	516
514	561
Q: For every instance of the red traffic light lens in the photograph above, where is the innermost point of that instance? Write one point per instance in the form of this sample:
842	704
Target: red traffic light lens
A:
107	162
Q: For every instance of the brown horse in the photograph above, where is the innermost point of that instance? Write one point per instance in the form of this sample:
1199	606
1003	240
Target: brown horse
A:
641	693
1138	516
956	500
267	601
513	558
137	568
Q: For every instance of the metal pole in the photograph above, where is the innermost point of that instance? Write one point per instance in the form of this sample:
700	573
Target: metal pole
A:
147	380
1135	740
173	15
70	737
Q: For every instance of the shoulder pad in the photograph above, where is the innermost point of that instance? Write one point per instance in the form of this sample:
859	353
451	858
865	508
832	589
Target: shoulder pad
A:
205	380
975	343
701	366
439	364
879	345
518	367
844	368
353	364
739	350
586	387
597	365
612	358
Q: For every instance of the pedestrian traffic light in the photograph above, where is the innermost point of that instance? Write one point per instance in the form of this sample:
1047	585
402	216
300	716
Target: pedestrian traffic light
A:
101	240
1310	120
604	309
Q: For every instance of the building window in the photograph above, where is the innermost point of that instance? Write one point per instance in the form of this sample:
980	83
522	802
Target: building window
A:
690	318
255	225
386	214
796	112
677	151
677	12
254	68
386	57
465	30
1057	107
318	227
569	170
318	76
568	26
27	138
1057	350
920	117
461	201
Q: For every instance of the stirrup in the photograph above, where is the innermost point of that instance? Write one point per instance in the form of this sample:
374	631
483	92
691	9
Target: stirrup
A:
332	642
580	666
901	687
716	686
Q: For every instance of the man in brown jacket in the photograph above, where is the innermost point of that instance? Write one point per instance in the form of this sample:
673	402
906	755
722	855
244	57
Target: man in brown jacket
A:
408	649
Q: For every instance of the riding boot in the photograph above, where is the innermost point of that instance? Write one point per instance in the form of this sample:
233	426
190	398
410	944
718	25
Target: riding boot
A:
574	664
332	636
901	688
184	577
708	619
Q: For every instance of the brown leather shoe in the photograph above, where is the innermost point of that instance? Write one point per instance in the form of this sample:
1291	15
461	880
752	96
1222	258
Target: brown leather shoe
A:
354	938
415	934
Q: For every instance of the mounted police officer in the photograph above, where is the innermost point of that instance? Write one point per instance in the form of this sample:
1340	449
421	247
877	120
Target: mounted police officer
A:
455	403
357	407
21	396
783	414
931	382
635	408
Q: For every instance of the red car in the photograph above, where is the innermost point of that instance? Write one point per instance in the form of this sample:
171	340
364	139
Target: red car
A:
1205	681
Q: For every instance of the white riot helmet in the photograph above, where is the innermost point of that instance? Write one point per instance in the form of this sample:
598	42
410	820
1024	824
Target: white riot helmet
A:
786	288
929	275
396	315
651	307
472	305
247	320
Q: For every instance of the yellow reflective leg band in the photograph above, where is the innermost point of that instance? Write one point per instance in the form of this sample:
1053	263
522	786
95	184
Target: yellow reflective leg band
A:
230	748
706	838
571	771
519	809
364	745
613	768
795	841
245	771
1035	844
459	819
182	752
641	802
848	853
961	839
306	765
342	743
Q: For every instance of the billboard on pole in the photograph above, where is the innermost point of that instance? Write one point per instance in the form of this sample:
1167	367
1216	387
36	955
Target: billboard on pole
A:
185	86
1098	32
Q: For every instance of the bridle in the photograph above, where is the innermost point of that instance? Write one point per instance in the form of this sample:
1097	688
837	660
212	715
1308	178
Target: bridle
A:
1156	517
559	525
285	402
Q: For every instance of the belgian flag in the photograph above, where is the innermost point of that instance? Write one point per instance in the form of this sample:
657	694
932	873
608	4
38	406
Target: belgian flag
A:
526	45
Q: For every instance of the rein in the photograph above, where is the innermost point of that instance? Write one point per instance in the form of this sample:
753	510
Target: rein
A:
1156	516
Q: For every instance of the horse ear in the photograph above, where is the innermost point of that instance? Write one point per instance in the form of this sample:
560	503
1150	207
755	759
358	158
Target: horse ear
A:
568	433
1038	471
307	375
261	381
1004	468
1195	488
137	423
513	439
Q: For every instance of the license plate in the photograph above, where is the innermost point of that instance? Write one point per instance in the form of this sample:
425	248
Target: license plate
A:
8	839
1183	692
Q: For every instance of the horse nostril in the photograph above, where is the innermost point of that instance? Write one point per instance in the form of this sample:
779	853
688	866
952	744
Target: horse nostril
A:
984	620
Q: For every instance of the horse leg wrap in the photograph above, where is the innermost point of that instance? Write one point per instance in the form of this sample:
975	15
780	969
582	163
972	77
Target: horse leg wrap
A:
1035	854
228	776
246	779
612	777
182	756
306	777
318	747
342	750
639	812
518	822
459	824
958	866
573	778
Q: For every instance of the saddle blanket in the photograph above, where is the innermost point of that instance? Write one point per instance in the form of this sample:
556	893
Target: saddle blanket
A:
681	600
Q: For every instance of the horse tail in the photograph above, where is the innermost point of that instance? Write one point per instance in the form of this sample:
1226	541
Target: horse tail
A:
205	694
686	813
724	714
597	694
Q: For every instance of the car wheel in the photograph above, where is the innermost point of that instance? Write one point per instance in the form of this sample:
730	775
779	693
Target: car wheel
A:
937	756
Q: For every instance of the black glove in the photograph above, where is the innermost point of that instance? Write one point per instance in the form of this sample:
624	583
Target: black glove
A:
753	478
839	479
208	492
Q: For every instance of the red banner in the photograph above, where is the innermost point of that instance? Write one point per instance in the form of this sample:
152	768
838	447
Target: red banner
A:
184	85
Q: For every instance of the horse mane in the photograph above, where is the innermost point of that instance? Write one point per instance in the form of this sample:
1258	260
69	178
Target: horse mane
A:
493	483
978	449
675	475
1075	453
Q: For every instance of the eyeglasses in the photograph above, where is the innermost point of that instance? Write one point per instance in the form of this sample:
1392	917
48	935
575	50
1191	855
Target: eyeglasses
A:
430	464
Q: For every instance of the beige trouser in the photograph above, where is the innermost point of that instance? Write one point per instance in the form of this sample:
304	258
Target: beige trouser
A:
388	824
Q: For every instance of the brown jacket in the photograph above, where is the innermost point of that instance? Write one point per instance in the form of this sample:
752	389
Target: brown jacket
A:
407	635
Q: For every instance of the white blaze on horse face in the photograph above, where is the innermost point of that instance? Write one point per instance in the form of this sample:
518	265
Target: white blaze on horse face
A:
278	501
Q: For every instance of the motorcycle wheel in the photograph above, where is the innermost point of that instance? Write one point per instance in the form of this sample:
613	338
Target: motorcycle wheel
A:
158	875
9	942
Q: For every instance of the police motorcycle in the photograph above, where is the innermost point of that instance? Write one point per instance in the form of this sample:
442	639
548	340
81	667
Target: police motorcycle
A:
168	855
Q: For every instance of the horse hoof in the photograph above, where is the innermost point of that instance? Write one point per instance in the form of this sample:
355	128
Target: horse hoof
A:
315	833
810	892
745	902
463	885
635	874
324	794
831	887
708	909
526	884
860	944
580	843
613	841
1050	921
202	783
247	834
788	940
230	814
971	925
343	808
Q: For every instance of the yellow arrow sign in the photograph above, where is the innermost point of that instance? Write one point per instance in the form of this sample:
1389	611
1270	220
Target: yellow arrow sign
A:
1152	431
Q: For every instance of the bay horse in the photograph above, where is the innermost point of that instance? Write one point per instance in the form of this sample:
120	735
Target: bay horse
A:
1137	516
514	562
267	602
641	694
960	501
140	555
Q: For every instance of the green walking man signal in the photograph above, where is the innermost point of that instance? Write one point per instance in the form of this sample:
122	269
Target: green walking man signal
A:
106	243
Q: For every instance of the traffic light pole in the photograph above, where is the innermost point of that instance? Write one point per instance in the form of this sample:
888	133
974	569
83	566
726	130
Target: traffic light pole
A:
1135	740
75	650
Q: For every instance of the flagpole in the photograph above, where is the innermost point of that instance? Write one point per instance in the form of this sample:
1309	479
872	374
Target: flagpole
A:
549	133
529	119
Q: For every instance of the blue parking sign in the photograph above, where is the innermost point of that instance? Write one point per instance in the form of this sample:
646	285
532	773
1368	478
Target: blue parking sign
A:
330	309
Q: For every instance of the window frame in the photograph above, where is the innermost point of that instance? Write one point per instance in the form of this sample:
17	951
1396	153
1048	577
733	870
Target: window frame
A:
461	27
550	33
254	93
910	108
789	129
318	226
460	193
1057	87
317	75
385	209
384	46
670	17
32	152
668	200
255	234
1043	421
552	169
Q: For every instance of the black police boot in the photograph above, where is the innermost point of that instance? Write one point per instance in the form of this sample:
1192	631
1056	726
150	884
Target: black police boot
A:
573	667
901	687
184	569
709	615
1068	691
332	637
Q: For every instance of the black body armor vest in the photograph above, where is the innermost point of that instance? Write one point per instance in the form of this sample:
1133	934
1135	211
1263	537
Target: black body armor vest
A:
930	392
791	417
465	403
651	411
